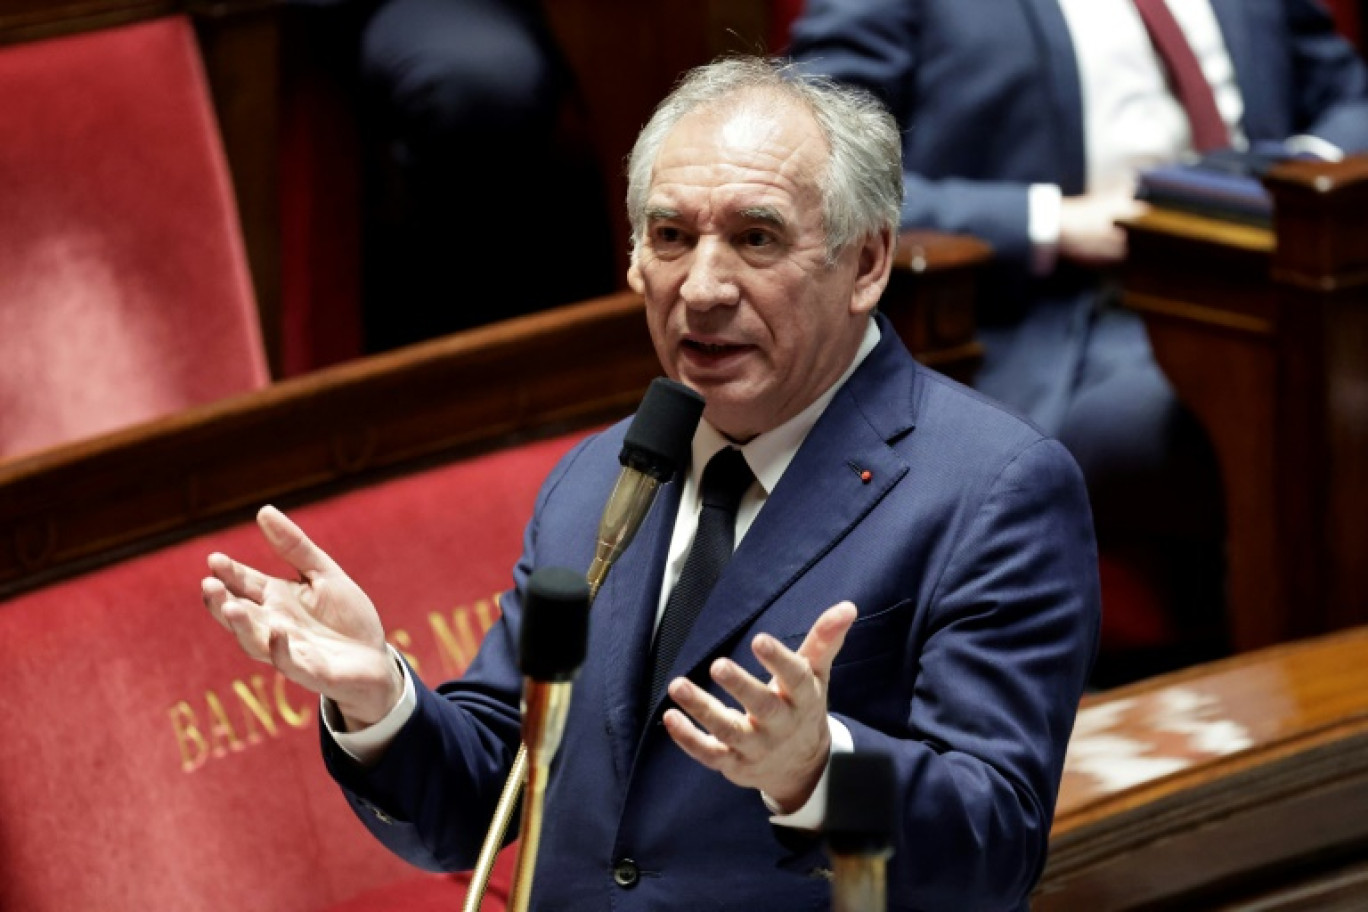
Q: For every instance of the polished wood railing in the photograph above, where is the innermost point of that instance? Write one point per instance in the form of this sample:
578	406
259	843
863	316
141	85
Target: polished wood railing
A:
92	501
1240	784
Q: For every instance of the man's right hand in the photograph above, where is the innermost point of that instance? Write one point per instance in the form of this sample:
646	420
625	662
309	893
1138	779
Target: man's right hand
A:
320	630
1088	233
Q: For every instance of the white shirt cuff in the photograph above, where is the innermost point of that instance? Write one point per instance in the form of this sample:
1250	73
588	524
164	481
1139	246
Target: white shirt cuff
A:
368	745
1043	206
811	815
1305	143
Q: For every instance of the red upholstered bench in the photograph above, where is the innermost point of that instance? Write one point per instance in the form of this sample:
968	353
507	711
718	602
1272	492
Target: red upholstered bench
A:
146	764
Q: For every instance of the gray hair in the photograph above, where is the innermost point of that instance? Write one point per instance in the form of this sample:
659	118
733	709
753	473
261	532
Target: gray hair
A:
862	186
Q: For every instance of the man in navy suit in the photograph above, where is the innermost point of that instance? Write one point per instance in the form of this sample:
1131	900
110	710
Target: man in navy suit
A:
914	571
1025	123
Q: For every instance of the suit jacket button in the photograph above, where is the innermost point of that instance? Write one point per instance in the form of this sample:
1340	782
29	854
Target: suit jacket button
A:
626	873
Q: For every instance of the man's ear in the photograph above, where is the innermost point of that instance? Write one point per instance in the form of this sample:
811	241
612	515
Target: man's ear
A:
634	280
873	264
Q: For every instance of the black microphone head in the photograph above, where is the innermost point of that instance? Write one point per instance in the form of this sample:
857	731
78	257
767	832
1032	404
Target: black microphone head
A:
555	624
862	803
659	437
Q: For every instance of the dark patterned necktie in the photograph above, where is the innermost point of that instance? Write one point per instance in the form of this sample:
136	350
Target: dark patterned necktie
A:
1186	79
725	480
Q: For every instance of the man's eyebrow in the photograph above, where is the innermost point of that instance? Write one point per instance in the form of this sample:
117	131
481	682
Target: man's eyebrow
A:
766	214
661	213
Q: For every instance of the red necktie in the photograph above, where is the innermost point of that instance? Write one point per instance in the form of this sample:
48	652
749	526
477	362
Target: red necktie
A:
1185	76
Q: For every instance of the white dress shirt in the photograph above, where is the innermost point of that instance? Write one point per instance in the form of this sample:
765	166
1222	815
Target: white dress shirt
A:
1131	119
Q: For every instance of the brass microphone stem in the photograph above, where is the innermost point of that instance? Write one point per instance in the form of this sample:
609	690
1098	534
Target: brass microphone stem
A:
547	711
489	850
627	506
859	883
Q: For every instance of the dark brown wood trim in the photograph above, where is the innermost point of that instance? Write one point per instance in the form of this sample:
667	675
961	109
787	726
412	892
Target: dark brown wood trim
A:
1249	776
71	506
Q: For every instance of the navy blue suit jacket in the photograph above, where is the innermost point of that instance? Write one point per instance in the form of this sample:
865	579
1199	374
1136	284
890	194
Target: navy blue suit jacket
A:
988	95
969	553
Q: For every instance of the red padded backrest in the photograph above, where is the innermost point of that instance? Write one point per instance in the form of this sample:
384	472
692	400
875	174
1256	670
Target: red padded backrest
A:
148	764
124	288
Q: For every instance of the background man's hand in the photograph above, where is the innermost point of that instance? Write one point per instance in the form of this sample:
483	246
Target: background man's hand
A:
778	741
320	630
1088	233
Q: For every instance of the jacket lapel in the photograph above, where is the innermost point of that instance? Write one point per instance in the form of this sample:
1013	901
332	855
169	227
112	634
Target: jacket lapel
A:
1059	65
820	497
626	605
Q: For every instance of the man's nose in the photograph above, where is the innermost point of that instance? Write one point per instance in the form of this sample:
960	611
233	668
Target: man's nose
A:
711	281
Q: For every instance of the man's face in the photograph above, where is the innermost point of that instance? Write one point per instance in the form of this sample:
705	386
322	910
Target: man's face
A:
740	300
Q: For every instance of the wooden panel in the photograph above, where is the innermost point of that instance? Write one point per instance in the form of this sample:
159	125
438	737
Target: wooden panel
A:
241	48
30	20
931	296
1211	313
1264	334
1216	784
626	55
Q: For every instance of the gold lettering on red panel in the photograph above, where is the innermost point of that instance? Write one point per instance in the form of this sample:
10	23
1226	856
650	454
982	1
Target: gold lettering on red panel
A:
456	642
295	718
486	614
194	749
256	705
222	737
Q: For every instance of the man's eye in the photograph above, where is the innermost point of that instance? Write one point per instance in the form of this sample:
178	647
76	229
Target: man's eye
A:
757	238
668	234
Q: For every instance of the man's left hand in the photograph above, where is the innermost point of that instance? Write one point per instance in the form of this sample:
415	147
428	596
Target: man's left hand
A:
778	740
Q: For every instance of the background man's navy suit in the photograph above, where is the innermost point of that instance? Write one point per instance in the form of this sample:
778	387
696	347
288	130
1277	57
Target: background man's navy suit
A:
969	553
988	94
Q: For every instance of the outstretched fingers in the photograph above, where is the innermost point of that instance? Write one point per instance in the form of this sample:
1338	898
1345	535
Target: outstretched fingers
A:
290	543
702	746
821	644
240	580
245	620
214	594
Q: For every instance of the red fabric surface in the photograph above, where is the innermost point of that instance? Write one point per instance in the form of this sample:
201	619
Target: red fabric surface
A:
436	892
124	289
119	790
1134	612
